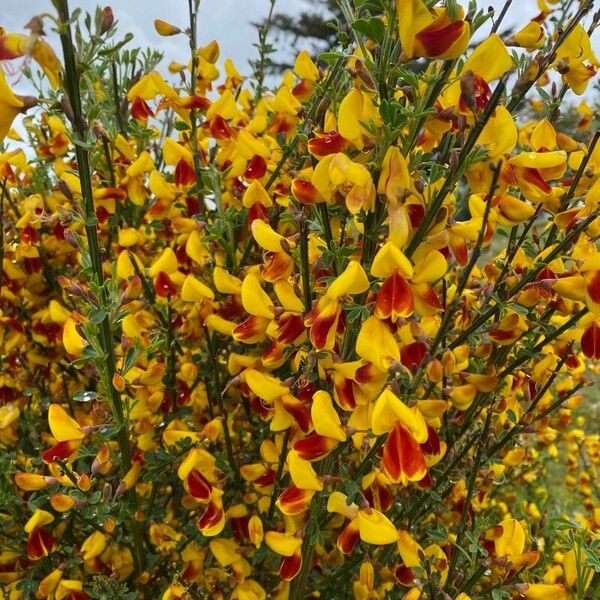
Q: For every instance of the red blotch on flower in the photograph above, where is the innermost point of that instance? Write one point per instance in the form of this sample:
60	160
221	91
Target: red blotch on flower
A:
437	39
533	176
278	265
290	566
299	410
413	354
210	517
304	191
303	89
164	286
481	94
314	446
29	235
404	575
322	326
432	446
102	214
331	143
344	389
248	329
199	102
198	486
402	456
256	168
593	287
590	341
184	174
416	212
40	543
395	298
219	128
293	500
257	211
348	538
140	111
267	479
60	451
379	496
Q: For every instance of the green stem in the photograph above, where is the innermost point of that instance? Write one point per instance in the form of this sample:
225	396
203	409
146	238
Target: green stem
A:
116	100
219	391
501	16
305	263
2	230
550	56
564	203
80	133
192	11
456	173
281	464
469	496
263	51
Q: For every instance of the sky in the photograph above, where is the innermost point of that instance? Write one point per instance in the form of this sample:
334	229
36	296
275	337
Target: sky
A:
228	21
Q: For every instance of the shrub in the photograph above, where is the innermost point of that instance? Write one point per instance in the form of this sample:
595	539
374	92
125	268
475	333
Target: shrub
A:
325	340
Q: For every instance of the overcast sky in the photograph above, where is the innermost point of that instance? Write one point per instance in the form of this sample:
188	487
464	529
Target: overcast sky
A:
228	21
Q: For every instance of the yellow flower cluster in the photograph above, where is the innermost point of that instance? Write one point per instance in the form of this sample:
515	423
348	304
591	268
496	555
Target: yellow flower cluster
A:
322	340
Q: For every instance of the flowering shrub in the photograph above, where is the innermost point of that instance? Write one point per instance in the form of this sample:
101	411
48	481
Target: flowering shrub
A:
328	340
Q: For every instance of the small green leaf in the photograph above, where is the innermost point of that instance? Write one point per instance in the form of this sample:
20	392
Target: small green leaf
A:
85	396
372	28
97	315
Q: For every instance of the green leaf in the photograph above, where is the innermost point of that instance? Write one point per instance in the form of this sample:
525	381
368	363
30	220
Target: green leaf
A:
351	488
181	126
372	28
97	315
85	396
331	57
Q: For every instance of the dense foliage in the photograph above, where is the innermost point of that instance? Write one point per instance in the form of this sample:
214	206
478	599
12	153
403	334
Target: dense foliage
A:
326	338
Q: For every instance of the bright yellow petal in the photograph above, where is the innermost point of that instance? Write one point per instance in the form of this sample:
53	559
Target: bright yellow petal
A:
390	258
325	419
284	544
302	473
72	341
384	352
255	300
193	290
490	60
389	408
353	280
375	528
62	426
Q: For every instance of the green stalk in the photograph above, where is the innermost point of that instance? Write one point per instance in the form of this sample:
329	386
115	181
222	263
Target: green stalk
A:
116	100
501	16
306	293
469	496
80	131
219	391
280	465
453	178
192	10
547	60
263	51
564	203
527	278
2	193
